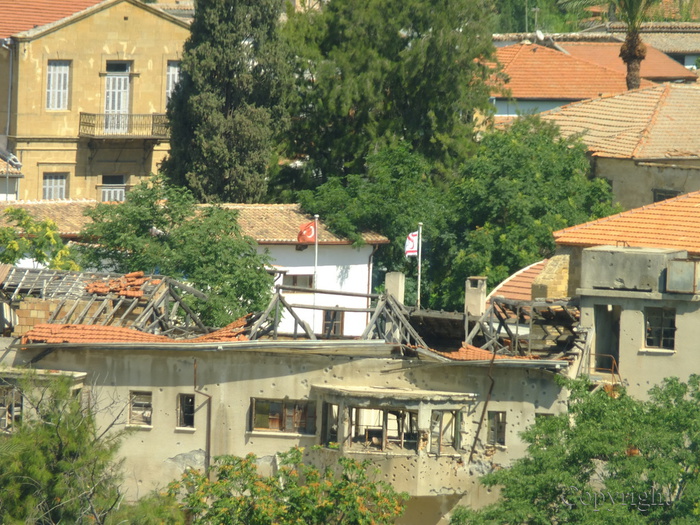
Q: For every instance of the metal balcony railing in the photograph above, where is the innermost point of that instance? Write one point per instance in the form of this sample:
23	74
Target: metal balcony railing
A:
124	125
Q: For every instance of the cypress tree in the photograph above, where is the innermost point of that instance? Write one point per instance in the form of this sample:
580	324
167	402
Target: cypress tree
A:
227	109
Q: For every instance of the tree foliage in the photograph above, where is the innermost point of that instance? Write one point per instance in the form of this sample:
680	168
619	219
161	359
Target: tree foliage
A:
298	494
374	72
159	229
57	467
228	107
523	183
611	459
27	237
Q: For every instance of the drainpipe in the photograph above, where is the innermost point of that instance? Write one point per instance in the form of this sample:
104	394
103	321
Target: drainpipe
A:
369	281
207	446
7	44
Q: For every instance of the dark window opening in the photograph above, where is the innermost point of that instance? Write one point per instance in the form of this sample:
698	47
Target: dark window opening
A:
497	428
384	429
140	408
660	326
283	416
185	410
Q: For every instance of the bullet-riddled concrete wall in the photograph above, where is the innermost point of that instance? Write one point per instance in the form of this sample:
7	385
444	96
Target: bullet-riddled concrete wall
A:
157	453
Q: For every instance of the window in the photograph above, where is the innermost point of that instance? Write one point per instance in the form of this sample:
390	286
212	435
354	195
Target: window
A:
8	189
497	428
185	410
333	322
384	429
172	77
284	416
54	186
302	281
329	424
113	188
140	408
10	408
662	195
445	431
57	82
660	326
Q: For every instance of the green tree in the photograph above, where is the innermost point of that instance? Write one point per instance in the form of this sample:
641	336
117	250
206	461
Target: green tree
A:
38	240
57	466
370	73
228	107
522	184
159	229
394	195
632	13
154	509
611	459
298	494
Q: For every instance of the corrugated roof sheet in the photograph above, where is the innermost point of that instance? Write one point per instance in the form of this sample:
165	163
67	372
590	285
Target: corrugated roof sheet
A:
538	72
17	16
673	223
660	122
656	66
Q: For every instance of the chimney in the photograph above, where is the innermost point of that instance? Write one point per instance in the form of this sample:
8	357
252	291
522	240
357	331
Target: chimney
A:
475	296
395	285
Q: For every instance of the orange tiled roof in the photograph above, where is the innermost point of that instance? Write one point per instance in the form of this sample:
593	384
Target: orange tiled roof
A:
656	66
68	214
518	287
266	223
473	353
17	16
81	334
5	168
539	73
279	224
660	122
673	224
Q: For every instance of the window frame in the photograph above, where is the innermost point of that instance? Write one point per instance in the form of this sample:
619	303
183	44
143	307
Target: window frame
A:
143	416
58	81
300	410
185	419
11	405
655	336
173	73
49	191
332	326
496	432
295	278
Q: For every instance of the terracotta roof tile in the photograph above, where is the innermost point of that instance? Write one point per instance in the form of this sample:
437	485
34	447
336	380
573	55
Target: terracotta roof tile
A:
266	223
673	223
21	15
5	168
80	334
518	287
280	223
473	353
653	123
540	73
656	66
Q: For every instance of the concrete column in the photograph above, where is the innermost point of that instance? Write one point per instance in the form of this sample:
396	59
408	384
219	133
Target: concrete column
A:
475	296
395	284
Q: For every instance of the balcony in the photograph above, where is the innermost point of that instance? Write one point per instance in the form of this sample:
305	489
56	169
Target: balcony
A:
123	126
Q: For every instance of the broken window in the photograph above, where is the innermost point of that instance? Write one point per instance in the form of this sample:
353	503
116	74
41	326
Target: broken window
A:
10	408
662	194
185	410
333	322
140	408
284	416
329	424
497	428
384	429
660	327
445	431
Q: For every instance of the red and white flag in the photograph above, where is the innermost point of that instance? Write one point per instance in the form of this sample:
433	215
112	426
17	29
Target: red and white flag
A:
307	232
411	247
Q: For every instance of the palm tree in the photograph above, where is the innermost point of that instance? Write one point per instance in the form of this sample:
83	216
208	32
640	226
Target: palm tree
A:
632	13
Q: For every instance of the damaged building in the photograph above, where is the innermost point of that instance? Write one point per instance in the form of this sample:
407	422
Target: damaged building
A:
433	420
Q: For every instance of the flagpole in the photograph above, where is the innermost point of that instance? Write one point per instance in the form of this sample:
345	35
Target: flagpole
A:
315	266
420	246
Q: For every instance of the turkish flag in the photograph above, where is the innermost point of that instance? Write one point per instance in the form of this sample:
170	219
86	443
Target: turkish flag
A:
307	232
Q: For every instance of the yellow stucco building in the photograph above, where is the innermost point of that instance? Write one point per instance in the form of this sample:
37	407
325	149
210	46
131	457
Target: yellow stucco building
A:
83	93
